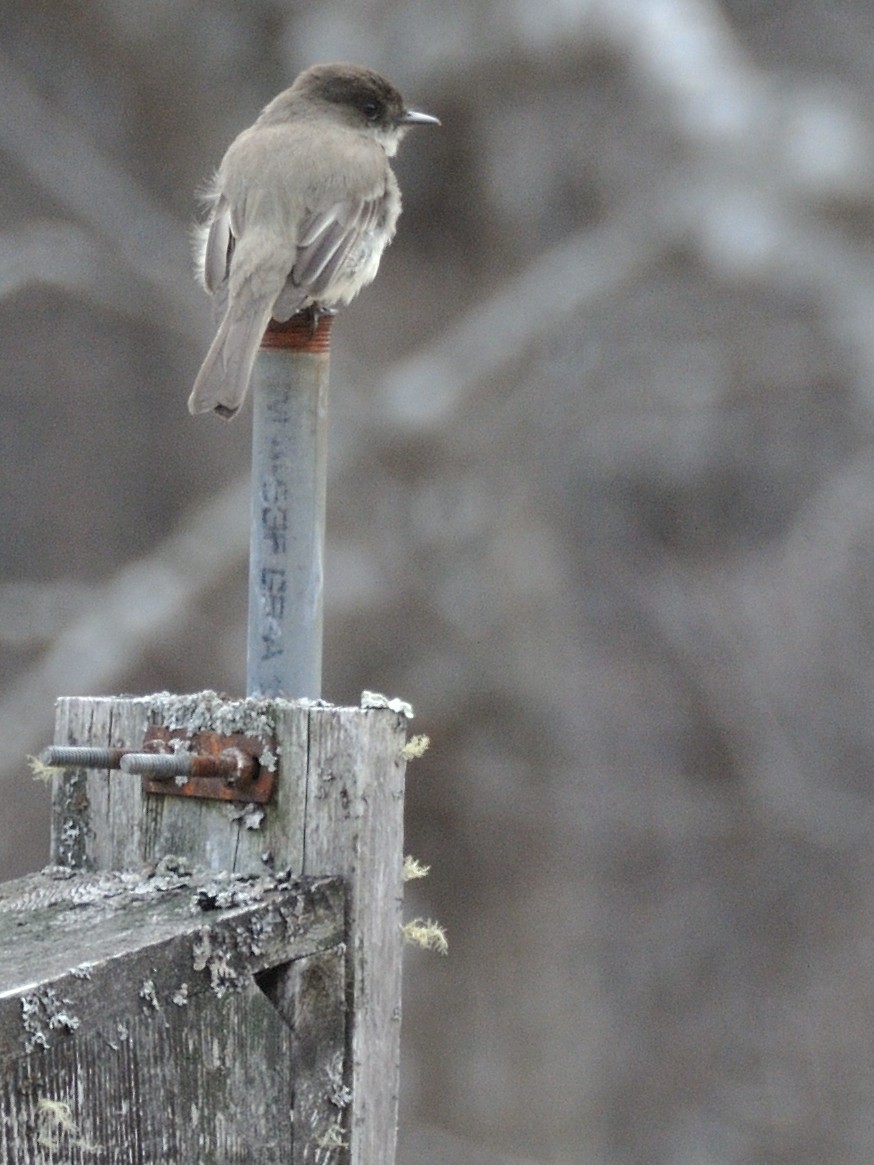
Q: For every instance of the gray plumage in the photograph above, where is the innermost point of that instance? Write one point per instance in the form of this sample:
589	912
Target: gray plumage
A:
301	209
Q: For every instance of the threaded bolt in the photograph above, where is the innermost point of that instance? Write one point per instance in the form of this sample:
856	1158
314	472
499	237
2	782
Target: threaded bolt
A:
82	757
229	766
160	766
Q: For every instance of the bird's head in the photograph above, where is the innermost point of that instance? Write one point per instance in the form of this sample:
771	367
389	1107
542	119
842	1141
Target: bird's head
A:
362	99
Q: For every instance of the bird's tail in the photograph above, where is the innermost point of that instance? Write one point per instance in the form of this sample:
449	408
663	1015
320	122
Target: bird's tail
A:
224	376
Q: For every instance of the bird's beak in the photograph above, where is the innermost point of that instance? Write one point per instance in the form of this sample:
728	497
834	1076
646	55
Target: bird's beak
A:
414	117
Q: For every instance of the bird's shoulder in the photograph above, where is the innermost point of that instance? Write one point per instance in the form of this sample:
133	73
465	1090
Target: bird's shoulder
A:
323	161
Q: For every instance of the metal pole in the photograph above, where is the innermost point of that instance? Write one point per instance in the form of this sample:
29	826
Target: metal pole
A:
287	540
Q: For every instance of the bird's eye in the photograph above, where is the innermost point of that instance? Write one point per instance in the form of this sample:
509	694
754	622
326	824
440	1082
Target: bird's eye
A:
370	109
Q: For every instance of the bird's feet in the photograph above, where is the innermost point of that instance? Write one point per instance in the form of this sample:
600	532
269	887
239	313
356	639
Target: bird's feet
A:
315	311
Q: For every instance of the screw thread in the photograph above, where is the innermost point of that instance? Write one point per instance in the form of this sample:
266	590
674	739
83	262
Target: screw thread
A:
81	757
162	765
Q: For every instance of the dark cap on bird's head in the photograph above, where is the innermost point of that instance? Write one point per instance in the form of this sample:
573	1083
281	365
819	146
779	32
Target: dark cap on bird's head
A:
359	95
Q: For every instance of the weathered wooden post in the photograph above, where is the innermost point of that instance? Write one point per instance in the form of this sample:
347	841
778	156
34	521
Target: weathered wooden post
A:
336	809
234	994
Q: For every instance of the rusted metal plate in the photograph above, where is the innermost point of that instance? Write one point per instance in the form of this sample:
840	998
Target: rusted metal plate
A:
253	778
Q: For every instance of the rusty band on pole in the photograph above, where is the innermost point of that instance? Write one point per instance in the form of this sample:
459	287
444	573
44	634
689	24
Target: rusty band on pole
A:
287	538
298	333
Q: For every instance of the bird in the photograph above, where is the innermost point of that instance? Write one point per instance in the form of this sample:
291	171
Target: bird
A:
300	211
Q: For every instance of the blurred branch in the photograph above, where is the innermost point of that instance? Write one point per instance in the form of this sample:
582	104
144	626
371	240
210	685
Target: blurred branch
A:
421	394
811	140
57	154
762	159
714	641
690	62
34	612
737	231
63	255
741	232
143	600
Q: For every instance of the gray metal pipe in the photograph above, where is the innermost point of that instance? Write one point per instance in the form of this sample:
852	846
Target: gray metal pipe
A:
287	539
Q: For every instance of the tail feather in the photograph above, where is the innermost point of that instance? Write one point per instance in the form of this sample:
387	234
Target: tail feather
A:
224	376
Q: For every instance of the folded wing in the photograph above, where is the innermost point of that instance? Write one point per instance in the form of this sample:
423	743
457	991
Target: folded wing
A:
334	244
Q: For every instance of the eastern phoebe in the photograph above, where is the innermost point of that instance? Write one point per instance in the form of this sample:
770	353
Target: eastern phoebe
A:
301	209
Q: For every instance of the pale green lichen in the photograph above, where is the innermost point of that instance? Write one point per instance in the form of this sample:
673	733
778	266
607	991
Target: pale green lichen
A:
415	747
414	869
426	934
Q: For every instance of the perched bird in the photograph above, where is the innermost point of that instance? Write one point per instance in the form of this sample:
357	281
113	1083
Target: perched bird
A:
301	209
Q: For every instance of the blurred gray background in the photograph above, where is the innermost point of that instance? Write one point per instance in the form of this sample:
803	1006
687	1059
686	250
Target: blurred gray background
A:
601	507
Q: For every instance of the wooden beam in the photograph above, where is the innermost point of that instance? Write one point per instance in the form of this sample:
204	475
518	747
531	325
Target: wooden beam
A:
338	811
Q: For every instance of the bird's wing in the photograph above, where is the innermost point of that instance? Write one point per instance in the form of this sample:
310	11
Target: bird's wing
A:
327	240
219	247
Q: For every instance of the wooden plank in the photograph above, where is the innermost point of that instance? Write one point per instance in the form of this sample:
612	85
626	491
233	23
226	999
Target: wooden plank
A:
283	830
304	992
82	792
66	939
354	827
208	1083
145	1021
98	820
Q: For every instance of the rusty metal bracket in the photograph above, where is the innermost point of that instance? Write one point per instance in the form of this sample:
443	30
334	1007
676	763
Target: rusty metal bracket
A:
178	763
205	764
